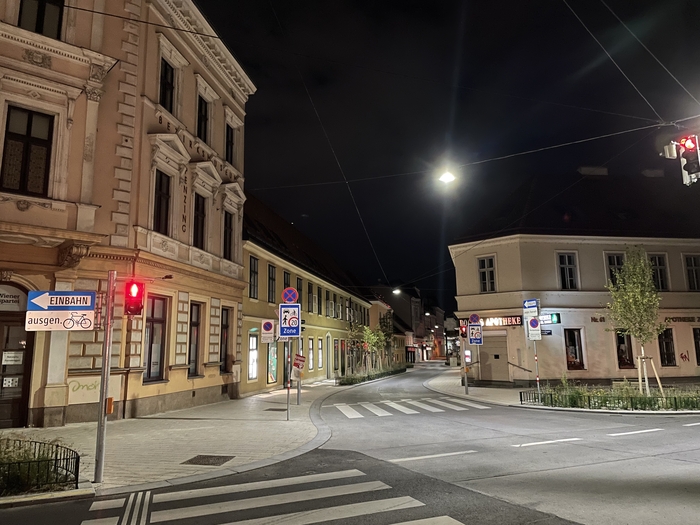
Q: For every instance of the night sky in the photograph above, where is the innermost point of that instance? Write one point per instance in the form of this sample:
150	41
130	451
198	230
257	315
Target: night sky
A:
388	94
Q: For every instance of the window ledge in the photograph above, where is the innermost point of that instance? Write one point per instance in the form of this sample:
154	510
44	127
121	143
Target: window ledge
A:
214	363
155	382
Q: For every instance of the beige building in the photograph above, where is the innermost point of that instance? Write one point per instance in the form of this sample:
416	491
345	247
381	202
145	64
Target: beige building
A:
122	149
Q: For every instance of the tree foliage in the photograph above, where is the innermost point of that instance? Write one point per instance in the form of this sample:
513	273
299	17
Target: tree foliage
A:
634	305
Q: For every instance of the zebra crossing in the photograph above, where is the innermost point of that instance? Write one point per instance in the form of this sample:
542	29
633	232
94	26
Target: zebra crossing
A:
264	502
428	404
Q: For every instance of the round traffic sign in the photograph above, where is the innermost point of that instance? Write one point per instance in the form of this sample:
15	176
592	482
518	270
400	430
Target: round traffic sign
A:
474	319
268	326
290	295
534	322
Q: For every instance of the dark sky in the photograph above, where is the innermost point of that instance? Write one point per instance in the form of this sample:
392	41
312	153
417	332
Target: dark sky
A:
374	91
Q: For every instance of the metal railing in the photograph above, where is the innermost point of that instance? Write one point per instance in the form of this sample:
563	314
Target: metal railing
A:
576	399
34	466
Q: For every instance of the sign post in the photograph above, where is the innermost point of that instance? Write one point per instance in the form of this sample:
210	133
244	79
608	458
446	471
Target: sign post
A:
531	313
476	337
289	326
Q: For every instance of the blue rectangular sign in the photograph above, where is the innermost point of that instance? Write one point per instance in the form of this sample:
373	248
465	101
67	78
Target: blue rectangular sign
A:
51	301
476	336
290	320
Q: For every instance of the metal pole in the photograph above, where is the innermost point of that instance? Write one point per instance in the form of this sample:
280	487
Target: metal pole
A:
104	387
289	377
299	384
537	375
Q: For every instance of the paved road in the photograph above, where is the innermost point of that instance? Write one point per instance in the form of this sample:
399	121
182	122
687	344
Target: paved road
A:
585	467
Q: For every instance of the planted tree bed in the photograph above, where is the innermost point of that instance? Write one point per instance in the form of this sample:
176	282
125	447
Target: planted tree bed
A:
361	378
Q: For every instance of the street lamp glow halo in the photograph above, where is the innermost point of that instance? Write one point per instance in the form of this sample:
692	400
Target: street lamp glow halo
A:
396	291
447	177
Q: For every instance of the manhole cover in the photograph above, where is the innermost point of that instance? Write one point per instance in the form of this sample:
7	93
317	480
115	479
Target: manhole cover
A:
275	410
212	461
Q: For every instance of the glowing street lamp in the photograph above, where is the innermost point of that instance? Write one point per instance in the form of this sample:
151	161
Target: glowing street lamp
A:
447	177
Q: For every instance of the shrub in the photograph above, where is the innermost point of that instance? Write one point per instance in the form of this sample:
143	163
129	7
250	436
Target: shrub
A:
361	378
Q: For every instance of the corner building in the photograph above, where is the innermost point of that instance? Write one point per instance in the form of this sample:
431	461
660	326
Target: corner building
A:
122	149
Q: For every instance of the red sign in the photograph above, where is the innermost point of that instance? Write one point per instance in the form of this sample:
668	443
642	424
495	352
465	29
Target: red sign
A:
299	361
290	295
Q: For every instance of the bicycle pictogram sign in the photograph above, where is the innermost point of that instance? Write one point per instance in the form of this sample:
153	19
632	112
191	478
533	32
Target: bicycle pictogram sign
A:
289	324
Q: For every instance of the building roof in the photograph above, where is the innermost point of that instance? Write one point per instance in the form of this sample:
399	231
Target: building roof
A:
265	228
610	206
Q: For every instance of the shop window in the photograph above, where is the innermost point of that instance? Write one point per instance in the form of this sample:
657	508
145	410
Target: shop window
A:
271	283
311	353
195	338
271	363
623	343
692	268
320	353
574	349
696	339
336	355
252	357
154	347
615	262
161	204
658	272
666	350
27	152
567	271
42	16
487	274
224	338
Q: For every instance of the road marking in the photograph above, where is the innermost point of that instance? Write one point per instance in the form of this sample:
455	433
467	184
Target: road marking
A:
264	501
145	507
375	409
349	411
636	432
255	485
135	515
337	513
101	521
691	425
439	520
400	408
547	442
108	504
468	403
424	406
416	458
446	405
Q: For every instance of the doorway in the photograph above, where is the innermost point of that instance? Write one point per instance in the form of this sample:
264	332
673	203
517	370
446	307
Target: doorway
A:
16	351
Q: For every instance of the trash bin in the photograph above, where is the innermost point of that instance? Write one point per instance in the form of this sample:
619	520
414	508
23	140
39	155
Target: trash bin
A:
453	361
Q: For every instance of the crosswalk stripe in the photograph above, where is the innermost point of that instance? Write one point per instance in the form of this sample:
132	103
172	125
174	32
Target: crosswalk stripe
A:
337	513
349	411
468	403
263	501
255	485
400	408
107	504
424	406
439	520
135	515
446	405
375	409
101	521
145	508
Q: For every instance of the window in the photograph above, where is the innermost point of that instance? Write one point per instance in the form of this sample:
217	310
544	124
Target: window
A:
200	219
574	350
336	355
154	348
42	16
487	275
230	133
696	338
328	304
319	311
666	350
195	321
567	271
300	289
167	85
224	339
161	204
253	278
228	236
202	118
692	268
271	283
339	306
271	363
623	343
301	346
615	262
334	306
252	357
287	279
27	152
658	271
310	288
311	353
320	353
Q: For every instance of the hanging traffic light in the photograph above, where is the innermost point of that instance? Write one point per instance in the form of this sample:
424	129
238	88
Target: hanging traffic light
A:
463	330
133	301
690	162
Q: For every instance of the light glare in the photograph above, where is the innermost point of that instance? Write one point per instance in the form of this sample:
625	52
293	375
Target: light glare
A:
447	177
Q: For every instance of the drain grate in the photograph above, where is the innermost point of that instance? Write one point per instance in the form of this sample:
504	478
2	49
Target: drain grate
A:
212	461
275	410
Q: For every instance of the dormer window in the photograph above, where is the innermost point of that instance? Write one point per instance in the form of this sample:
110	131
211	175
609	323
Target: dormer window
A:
42	16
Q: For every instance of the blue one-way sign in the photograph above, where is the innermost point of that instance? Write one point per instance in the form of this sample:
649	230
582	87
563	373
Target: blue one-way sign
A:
55	300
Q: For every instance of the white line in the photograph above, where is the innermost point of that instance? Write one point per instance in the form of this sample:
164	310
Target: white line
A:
137	507
145	507
446	405
400	408
129	503
439	520
547	442
108	504
255	485
336	513
636	432
264	501
101	521
691	425
375	409
468	403
424	406
349	412
416	458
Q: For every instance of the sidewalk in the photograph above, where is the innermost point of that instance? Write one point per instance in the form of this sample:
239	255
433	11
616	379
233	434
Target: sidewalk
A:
150	451
450	383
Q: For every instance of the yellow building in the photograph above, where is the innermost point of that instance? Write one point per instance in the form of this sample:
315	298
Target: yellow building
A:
122	149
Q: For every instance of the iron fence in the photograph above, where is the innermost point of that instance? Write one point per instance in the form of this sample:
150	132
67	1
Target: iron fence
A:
34	466
578	399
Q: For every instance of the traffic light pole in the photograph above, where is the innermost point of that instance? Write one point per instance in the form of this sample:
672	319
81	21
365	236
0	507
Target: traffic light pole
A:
104	386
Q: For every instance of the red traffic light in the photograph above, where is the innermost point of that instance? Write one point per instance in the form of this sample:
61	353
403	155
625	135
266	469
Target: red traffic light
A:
463	330
689	143
133	301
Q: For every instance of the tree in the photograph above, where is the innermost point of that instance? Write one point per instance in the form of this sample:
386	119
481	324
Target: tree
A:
634	306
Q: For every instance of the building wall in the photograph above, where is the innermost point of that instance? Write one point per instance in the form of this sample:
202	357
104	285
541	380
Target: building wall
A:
582	309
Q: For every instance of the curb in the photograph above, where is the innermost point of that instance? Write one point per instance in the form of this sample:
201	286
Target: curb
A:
46	497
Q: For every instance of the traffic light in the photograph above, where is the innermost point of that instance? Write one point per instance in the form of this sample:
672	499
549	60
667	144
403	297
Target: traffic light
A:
556	318
133	302
463	330
690	162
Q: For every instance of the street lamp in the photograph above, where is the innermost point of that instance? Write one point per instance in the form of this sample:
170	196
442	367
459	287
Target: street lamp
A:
447	177
396	291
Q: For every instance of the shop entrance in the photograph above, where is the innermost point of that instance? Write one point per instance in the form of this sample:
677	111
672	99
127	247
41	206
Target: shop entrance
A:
493	359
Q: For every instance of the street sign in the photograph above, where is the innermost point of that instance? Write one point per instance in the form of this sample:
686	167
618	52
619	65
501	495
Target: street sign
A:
475	335
267	331
54	310
531	308
299	361
290	295
546	332
290	322
534	332
474	319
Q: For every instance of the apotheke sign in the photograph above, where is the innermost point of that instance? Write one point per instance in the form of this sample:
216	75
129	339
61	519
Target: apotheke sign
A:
511	320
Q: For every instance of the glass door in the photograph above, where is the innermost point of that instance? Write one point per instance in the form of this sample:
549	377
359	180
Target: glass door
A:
15	369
